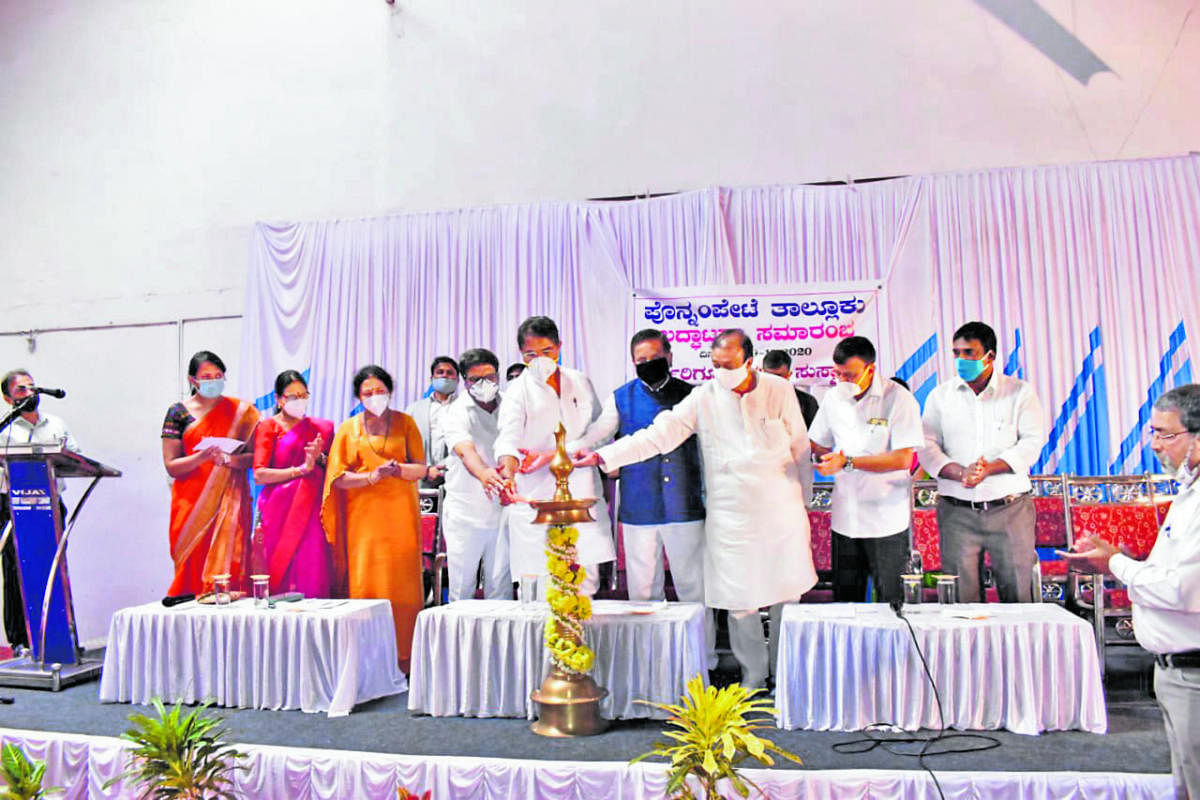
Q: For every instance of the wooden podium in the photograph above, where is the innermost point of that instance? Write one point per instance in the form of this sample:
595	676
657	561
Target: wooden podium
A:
54	659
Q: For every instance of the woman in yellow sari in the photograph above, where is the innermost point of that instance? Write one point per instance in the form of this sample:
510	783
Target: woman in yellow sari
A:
370	511
210	497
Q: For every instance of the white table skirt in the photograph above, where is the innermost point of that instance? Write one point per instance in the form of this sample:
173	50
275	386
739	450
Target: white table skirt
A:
482	658
314	655
1027	668
85	764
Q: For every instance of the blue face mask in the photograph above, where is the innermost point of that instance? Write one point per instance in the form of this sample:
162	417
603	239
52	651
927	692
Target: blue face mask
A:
444	385
969	368
210	389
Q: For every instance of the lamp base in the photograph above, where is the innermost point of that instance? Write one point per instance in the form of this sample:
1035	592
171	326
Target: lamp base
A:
563	512
568	705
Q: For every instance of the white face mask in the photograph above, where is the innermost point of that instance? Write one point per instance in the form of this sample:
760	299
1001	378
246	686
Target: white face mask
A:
542	368
296	407
484	391
731	378
846	389
1184	475
377	403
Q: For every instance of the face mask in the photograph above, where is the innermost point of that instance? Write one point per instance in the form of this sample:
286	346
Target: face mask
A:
845	390
654	371
211	388
542	368
444	385
485	390
296	407
731	378
377	403
856	387
31	403
968	368
1184	475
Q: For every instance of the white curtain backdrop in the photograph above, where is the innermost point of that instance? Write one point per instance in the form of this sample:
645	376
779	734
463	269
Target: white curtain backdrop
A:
83	764
1088	273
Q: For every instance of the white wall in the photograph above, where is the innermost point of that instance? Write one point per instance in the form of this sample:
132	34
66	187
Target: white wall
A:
139	140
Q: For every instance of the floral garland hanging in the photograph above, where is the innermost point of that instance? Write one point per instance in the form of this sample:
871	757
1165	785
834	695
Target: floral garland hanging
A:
564	628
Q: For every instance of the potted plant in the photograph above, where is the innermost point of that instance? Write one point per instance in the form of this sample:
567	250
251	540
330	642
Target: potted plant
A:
716	733
22	777
179	756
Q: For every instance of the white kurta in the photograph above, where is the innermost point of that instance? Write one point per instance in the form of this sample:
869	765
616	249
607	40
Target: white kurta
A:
529	416
467	505
757	477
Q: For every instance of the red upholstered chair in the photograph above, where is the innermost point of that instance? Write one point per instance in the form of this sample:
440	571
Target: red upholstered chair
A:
433	550
925	538
820	526
1127	511
1050	533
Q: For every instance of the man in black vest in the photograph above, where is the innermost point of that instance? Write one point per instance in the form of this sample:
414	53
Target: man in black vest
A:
661	498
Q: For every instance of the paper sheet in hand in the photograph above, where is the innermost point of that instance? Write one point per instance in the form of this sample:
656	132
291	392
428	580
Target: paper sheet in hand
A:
226	445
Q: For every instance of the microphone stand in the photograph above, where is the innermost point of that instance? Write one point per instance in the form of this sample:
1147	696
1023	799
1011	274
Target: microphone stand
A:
17	411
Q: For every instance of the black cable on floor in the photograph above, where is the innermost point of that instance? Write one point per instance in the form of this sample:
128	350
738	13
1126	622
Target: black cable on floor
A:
981	741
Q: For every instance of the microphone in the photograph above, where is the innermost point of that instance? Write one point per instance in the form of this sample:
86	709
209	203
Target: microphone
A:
59	393
897	606
175	600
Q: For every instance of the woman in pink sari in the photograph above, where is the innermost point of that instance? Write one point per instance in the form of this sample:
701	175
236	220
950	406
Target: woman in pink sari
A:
290	452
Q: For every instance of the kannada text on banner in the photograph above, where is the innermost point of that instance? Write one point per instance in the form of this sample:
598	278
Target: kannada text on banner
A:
805	322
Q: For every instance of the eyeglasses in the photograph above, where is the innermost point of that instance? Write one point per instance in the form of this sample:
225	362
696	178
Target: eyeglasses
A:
548	352
1150	434
472	381
289	397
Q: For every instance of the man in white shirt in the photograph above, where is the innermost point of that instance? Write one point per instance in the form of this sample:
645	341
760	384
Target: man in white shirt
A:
865	433
1165	588
471	511
429	411
535	403
983	432
757	479
31	427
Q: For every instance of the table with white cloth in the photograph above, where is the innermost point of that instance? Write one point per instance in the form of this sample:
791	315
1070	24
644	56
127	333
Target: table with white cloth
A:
482	658
314	655
1024	667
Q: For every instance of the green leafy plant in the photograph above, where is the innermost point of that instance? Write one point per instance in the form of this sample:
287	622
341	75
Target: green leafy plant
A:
22	777
180	756
716	732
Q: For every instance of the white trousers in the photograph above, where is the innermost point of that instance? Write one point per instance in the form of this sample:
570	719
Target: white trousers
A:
591	581
468	546
755	654
684	543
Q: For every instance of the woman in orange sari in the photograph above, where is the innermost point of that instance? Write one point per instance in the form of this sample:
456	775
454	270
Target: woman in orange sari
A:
210	497
370	512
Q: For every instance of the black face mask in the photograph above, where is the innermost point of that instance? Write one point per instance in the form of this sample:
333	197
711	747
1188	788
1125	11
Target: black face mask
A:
29	404
654	371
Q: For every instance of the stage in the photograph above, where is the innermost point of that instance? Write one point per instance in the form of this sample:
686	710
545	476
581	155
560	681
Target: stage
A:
381	745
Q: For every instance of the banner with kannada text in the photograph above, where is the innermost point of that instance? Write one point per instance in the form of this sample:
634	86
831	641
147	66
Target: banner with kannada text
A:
806	322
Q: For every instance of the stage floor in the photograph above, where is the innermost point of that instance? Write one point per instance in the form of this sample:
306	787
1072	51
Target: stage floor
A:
1135	740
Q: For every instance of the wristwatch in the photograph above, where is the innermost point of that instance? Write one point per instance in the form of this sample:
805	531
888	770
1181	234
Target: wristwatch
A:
849	465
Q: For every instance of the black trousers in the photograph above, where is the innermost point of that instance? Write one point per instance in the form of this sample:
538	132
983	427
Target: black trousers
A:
14	605
884	559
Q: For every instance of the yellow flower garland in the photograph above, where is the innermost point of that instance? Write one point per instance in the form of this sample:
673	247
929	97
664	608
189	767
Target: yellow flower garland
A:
564	629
